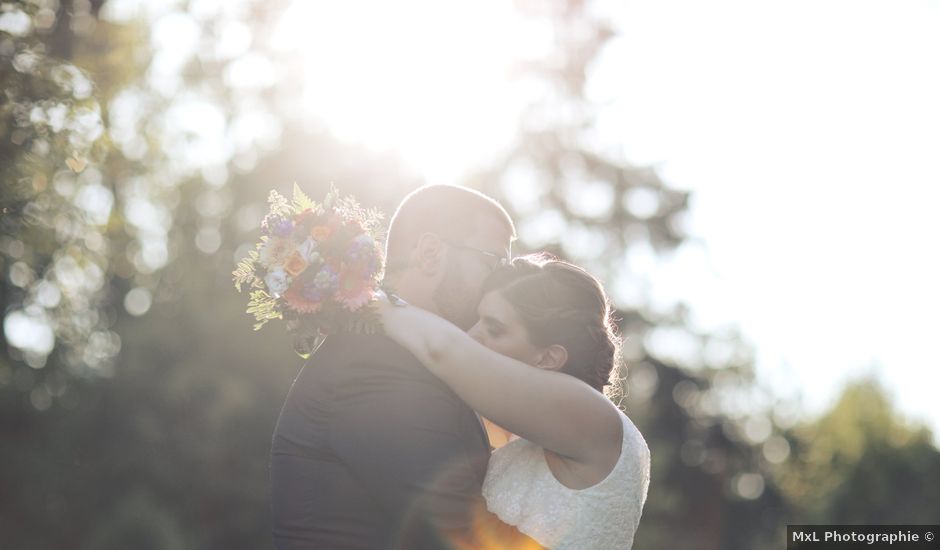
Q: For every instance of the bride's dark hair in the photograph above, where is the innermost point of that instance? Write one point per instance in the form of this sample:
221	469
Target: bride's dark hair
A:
561	303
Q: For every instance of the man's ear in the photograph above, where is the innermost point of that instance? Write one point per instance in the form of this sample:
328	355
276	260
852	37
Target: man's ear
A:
553	357
429	254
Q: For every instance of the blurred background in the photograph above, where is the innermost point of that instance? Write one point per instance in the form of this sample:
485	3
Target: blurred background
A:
753	181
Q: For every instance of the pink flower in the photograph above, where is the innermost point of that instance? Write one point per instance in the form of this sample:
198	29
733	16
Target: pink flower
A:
354	292
297	302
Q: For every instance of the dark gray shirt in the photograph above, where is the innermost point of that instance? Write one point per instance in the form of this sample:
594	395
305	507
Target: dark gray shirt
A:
371	451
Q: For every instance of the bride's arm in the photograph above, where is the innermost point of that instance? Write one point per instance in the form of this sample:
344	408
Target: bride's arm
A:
554	410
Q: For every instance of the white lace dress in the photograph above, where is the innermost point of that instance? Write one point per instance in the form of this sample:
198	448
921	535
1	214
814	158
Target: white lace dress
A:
522	491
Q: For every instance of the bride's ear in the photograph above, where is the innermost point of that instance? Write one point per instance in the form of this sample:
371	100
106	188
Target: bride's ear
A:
552	357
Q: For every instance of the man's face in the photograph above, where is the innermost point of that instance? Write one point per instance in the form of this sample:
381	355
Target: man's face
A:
469	262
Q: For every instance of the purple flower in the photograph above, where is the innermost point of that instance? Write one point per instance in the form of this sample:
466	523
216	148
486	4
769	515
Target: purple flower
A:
283	227
327	279
312	293
360	248
276	225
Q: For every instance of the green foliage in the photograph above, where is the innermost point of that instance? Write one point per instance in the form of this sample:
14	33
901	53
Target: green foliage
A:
54	227
860	463
368	323
278	204
169	448
137	522
244	274
350	209
303	202
264	307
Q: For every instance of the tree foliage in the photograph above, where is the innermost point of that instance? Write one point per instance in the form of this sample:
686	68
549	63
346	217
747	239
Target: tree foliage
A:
861	463
136	403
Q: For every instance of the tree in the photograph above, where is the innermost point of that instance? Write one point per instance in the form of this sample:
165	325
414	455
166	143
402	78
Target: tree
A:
95	156
50	247
146	420
97	201
860	463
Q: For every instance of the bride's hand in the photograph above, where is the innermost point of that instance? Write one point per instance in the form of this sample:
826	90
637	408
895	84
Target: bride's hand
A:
385	303
381	298
393	299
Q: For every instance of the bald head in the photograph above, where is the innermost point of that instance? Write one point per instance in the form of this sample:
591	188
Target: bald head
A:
443	241
451	212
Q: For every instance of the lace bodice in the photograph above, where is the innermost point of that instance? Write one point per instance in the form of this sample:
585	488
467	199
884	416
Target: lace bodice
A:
522	491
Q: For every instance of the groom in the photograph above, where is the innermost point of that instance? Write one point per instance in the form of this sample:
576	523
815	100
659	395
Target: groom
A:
371	451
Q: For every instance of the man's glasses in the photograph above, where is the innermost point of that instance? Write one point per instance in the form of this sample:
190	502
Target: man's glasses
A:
493	261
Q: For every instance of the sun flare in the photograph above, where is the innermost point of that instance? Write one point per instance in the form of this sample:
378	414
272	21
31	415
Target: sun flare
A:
440	94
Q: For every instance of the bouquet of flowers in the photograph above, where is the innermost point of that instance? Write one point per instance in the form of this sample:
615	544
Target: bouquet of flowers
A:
317	267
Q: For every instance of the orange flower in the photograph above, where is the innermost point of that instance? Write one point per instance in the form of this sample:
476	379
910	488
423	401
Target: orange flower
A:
295	264
321	232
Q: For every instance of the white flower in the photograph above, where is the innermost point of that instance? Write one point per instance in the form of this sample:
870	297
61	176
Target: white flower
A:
309	250
273	252
278	281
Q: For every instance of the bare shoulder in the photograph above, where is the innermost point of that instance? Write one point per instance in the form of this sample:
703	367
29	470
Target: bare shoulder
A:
633	441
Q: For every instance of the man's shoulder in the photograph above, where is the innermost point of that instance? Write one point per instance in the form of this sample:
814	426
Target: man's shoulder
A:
355	346
356	365
348	365
351	352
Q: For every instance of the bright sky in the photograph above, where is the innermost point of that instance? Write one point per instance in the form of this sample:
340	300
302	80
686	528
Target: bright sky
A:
425	78
808	131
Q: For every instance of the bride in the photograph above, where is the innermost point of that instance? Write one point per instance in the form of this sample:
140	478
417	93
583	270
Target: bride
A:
536	363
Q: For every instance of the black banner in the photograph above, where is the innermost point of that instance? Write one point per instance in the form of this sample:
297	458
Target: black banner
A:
873	537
